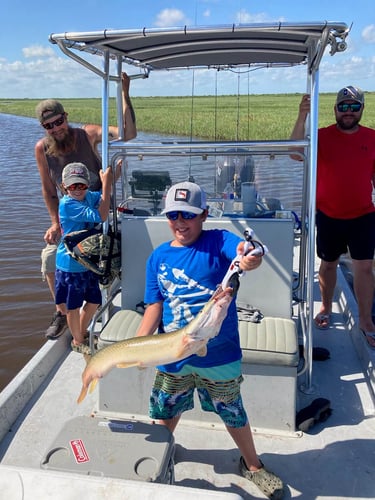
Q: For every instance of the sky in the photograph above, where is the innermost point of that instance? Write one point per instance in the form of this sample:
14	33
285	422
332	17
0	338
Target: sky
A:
31	67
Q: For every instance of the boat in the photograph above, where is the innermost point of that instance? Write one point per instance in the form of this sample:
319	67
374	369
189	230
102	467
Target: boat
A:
309	394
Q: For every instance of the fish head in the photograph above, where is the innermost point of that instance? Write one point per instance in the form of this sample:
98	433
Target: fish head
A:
234	284
207	323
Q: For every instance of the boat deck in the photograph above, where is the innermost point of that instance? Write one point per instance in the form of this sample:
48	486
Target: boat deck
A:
334	459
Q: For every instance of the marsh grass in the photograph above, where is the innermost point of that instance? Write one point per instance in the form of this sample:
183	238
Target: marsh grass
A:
229	117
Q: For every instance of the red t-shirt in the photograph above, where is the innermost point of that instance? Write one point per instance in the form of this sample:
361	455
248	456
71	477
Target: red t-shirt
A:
346	165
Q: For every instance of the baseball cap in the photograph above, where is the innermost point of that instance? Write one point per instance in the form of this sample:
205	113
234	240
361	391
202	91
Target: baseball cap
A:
48	109
75	173
350	93
186	196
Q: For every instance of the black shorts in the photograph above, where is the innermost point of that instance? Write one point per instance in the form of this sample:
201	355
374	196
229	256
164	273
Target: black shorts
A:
335	237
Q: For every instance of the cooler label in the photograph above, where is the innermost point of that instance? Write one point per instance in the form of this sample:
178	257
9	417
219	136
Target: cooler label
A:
79	451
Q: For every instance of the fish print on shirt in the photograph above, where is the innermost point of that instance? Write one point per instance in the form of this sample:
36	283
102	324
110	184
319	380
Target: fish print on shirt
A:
177	286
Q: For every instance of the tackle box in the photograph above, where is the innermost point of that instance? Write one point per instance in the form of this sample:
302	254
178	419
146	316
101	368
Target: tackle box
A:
122	449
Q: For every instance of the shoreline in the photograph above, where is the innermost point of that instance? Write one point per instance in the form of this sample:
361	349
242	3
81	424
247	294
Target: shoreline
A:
228	117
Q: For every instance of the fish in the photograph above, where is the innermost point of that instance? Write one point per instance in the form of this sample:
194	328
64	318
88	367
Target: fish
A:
165	348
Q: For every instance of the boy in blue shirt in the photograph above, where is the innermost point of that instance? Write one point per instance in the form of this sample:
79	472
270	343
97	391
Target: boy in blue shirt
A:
79	209
181	276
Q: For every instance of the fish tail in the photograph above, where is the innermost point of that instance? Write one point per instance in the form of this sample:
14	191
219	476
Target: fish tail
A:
93	385
82	395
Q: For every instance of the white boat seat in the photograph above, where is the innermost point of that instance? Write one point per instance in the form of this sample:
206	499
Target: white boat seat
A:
273	341
269	367
123	325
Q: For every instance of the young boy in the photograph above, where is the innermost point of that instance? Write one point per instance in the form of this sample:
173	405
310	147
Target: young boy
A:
181	276
74	284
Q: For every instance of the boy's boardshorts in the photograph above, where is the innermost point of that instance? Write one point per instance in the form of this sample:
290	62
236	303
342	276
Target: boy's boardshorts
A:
73	289
218	391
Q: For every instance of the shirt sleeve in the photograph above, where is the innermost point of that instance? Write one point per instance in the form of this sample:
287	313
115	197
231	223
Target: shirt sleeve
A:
152	291
77	211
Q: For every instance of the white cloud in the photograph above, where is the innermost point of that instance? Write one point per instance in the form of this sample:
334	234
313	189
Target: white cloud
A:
368	33
170	17
207	13
37	51
41	77
244	17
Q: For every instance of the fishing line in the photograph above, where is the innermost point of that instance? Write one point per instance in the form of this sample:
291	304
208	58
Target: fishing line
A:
192	105
191	178
215	113
238	104
248	106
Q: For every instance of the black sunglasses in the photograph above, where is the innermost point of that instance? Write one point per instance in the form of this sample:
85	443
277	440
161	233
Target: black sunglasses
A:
184	215
56	123
353	107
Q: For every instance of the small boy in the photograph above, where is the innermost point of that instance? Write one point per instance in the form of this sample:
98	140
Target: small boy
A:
181	276
79	209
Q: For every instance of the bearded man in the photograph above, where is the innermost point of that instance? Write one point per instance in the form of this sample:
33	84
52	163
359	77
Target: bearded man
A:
62	145
345	217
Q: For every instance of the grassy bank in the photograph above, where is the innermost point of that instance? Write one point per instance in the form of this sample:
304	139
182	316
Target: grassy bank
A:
257	117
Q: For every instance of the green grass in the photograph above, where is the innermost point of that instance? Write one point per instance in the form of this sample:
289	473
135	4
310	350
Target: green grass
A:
230	117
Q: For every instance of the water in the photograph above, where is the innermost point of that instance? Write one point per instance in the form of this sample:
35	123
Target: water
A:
26	306
25	302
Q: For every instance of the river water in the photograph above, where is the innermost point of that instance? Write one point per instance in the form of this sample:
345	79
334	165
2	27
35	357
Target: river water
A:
26	306
25	302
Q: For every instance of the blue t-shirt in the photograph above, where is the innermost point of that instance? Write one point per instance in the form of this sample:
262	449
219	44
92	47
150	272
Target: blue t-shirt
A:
185	278
76	215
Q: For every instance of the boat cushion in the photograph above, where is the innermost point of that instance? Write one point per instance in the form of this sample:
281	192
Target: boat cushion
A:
273	341
123	325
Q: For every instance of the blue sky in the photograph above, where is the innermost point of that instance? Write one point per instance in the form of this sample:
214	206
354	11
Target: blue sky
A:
31	67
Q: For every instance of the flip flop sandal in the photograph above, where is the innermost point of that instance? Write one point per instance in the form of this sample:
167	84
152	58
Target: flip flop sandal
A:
368	335
318	411
322	321
266	481
318	353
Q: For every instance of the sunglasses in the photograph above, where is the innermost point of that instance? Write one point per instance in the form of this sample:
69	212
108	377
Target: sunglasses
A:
56	123
354	107
77	187
184	215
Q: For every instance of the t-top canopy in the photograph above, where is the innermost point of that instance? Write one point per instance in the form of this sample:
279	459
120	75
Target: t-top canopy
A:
212	46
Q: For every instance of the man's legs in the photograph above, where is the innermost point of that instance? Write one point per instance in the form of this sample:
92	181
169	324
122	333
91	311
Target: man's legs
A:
364	291
327	284
59	323
330	244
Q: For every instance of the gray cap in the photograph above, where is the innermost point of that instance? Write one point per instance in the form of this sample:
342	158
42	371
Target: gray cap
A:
75	173
186	196
48	109
350	94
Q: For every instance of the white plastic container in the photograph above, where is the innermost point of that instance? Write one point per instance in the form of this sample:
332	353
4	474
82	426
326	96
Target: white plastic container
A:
249	198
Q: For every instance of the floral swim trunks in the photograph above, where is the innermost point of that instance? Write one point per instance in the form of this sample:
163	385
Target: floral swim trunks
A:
218	390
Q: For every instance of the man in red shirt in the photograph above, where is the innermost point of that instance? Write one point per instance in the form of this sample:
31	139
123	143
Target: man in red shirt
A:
345	217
